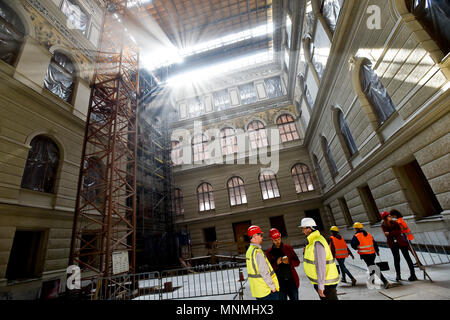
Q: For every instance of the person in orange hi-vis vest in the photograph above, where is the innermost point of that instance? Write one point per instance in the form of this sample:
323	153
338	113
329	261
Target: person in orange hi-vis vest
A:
340	251
405	229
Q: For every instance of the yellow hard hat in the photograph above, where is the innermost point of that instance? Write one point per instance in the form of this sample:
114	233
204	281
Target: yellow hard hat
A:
358	225
334	228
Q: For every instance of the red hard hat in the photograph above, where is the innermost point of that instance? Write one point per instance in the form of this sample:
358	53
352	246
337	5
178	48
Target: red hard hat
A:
384	214
274	233
253	230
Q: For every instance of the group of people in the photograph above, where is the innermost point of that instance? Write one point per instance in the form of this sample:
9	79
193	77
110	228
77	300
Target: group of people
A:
272	274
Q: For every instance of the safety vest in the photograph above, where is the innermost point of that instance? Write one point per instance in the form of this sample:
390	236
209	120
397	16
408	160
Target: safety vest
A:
365	243
258	286
331	273
340	247
405	229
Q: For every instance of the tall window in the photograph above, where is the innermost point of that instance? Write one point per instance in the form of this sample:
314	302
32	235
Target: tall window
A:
274	88
330	10
77	18
346	134
236	191
178	202
315	61
42	165
329	157
435	17
247	93
269	185
257	134
305	91
205	196
177	153
375	92
200	147
302	178
287	128
221	99
318	171
60	76
11	34
195	107
228	141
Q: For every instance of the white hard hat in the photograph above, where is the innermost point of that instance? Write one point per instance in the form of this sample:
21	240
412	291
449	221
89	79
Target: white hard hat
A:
307	222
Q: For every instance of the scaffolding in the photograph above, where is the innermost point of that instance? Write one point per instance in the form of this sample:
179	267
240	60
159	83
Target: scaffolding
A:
155	247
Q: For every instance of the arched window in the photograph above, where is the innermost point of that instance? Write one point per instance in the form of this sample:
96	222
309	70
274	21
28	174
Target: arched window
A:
302	178
375	92
269	185
318	171
315	61
205	196
286	127
60	76
330	10
178	202
200	147
93	183
257	134
176	154
236	191
345	133
434	15
306	94
228	141
12	32
42	165
329	157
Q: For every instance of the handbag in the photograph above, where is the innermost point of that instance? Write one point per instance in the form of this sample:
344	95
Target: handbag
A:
383	265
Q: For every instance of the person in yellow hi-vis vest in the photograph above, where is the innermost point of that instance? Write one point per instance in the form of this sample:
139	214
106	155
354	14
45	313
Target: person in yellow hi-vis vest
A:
263	280
318	262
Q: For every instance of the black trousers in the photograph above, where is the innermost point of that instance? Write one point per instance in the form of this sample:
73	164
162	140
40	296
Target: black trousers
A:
405	252
369	259
329	292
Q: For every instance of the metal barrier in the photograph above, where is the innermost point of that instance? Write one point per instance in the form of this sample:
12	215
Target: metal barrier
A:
202	281
432	248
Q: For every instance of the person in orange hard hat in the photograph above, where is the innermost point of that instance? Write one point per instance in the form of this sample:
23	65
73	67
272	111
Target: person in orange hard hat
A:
367	248
284	260
340	251
261	276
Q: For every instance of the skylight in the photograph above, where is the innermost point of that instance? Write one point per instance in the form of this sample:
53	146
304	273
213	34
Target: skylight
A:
206	73
169	56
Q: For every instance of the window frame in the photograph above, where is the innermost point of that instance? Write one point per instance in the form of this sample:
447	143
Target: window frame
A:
257	136
197	154
207	197
237	190
266	182
305	173
290	121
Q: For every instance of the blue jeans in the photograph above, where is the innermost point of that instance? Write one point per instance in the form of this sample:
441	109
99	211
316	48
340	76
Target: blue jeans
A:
288	289
344	269
270	296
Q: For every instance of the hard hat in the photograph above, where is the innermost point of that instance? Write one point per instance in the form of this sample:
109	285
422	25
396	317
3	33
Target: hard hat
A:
384	214
307	223
274	233
252	230
334	228
358	225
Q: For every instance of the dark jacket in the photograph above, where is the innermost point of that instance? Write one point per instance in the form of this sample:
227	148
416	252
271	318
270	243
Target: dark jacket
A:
355	242
293	260
395	236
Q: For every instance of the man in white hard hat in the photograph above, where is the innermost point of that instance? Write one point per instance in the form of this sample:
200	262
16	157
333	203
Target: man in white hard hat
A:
318	261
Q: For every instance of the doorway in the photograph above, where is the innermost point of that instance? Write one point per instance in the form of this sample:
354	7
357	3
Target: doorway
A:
315	214
240	235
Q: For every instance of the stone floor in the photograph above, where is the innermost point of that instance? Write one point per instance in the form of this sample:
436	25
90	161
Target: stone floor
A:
439	289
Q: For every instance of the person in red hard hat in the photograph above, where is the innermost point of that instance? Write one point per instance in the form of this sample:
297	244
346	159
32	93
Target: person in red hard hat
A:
284	260
261	276
397	241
